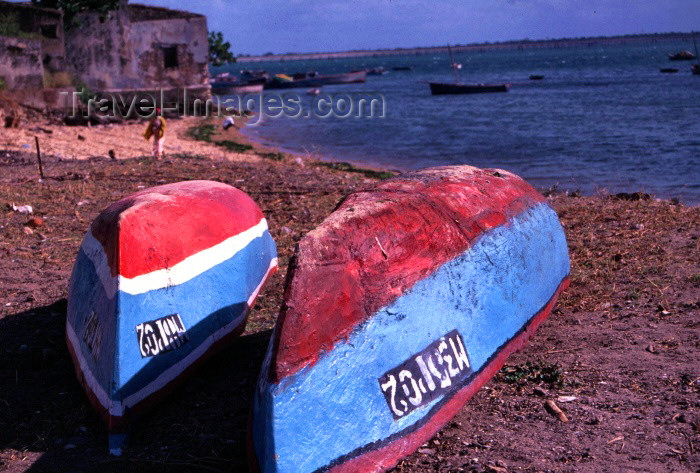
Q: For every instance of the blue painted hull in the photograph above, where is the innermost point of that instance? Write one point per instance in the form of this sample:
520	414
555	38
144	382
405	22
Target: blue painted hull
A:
144	311
333	411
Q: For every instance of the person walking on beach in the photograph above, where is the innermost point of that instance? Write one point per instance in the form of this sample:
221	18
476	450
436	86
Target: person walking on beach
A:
156	129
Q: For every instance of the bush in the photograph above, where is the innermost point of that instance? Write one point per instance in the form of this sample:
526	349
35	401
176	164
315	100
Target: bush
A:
9	26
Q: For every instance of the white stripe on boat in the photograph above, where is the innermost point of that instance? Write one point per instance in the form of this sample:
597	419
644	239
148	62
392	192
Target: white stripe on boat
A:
189	268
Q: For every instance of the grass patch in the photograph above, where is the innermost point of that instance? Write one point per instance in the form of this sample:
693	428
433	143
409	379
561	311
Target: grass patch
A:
9	26
233	146
206	132
201	132
273	156
347	167
537	372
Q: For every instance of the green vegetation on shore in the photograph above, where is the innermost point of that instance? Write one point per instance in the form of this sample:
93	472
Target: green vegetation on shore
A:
347	167
206	132
9	26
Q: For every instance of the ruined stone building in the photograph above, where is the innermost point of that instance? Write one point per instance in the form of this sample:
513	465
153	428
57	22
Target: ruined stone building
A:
32	48
134	48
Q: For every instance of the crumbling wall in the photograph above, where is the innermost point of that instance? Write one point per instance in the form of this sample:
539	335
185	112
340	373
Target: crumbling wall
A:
187	36
98	51
116	53
21	64
46	24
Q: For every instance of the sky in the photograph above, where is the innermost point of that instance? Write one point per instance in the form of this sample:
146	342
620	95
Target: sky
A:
280	26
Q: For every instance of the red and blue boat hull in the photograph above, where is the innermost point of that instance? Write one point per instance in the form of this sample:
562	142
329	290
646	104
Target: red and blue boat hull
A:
162	279
409	298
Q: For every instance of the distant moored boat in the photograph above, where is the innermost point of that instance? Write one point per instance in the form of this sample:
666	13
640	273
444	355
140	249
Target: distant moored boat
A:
447	88
681	56
225	84
441	88
283	81
235	88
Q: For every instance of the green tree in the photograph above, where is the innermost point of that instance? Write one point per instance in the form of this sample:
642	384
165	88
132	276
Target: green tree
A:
219	51
72	7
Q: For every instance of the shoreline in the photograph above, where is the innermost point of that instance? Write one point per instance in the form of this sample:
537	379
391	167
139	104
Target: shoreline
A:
82	142
259	143
311	156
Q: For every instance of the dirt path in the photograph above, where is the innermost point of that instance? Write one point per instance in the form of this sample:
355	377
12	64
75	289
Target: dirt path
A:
620	355
125	140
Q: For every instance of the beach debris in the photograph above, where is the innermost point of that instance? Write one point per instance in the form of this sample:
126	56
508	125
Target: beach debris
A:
679	418
553	409
81	138
634	196
112	154
34	222
38	158
540	392
77	119
595	420
491	468
566	398
23	209
43	130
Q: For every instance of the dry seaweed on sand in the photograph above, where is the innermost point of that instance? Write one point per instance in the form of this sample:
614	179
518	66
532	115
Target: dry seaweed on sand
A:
635	285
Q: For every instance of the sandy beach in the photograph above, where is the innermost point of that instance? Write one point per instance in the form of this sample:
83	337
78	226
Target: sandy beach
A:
125	140
620	355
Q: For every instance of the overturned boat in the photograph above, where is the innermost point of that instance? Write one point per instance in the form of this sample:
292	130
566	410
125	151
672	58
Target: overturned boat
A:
398	307
163	278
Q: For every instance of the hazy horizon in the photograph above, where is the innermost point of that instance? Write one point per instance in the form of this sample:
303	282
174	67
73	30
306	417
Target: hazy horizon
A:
476	43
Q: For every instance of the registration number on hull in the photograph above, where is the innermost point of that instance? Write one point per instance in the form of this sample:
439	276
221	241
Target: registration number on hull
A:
161	335
426	375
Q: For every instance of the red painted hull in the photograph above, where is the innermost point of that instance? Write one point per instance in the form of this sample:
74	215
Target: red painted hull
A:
482	200
453	267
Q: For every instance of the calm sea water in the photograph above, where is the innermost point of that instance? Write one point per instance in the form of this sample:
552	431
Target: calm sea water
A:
604	118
